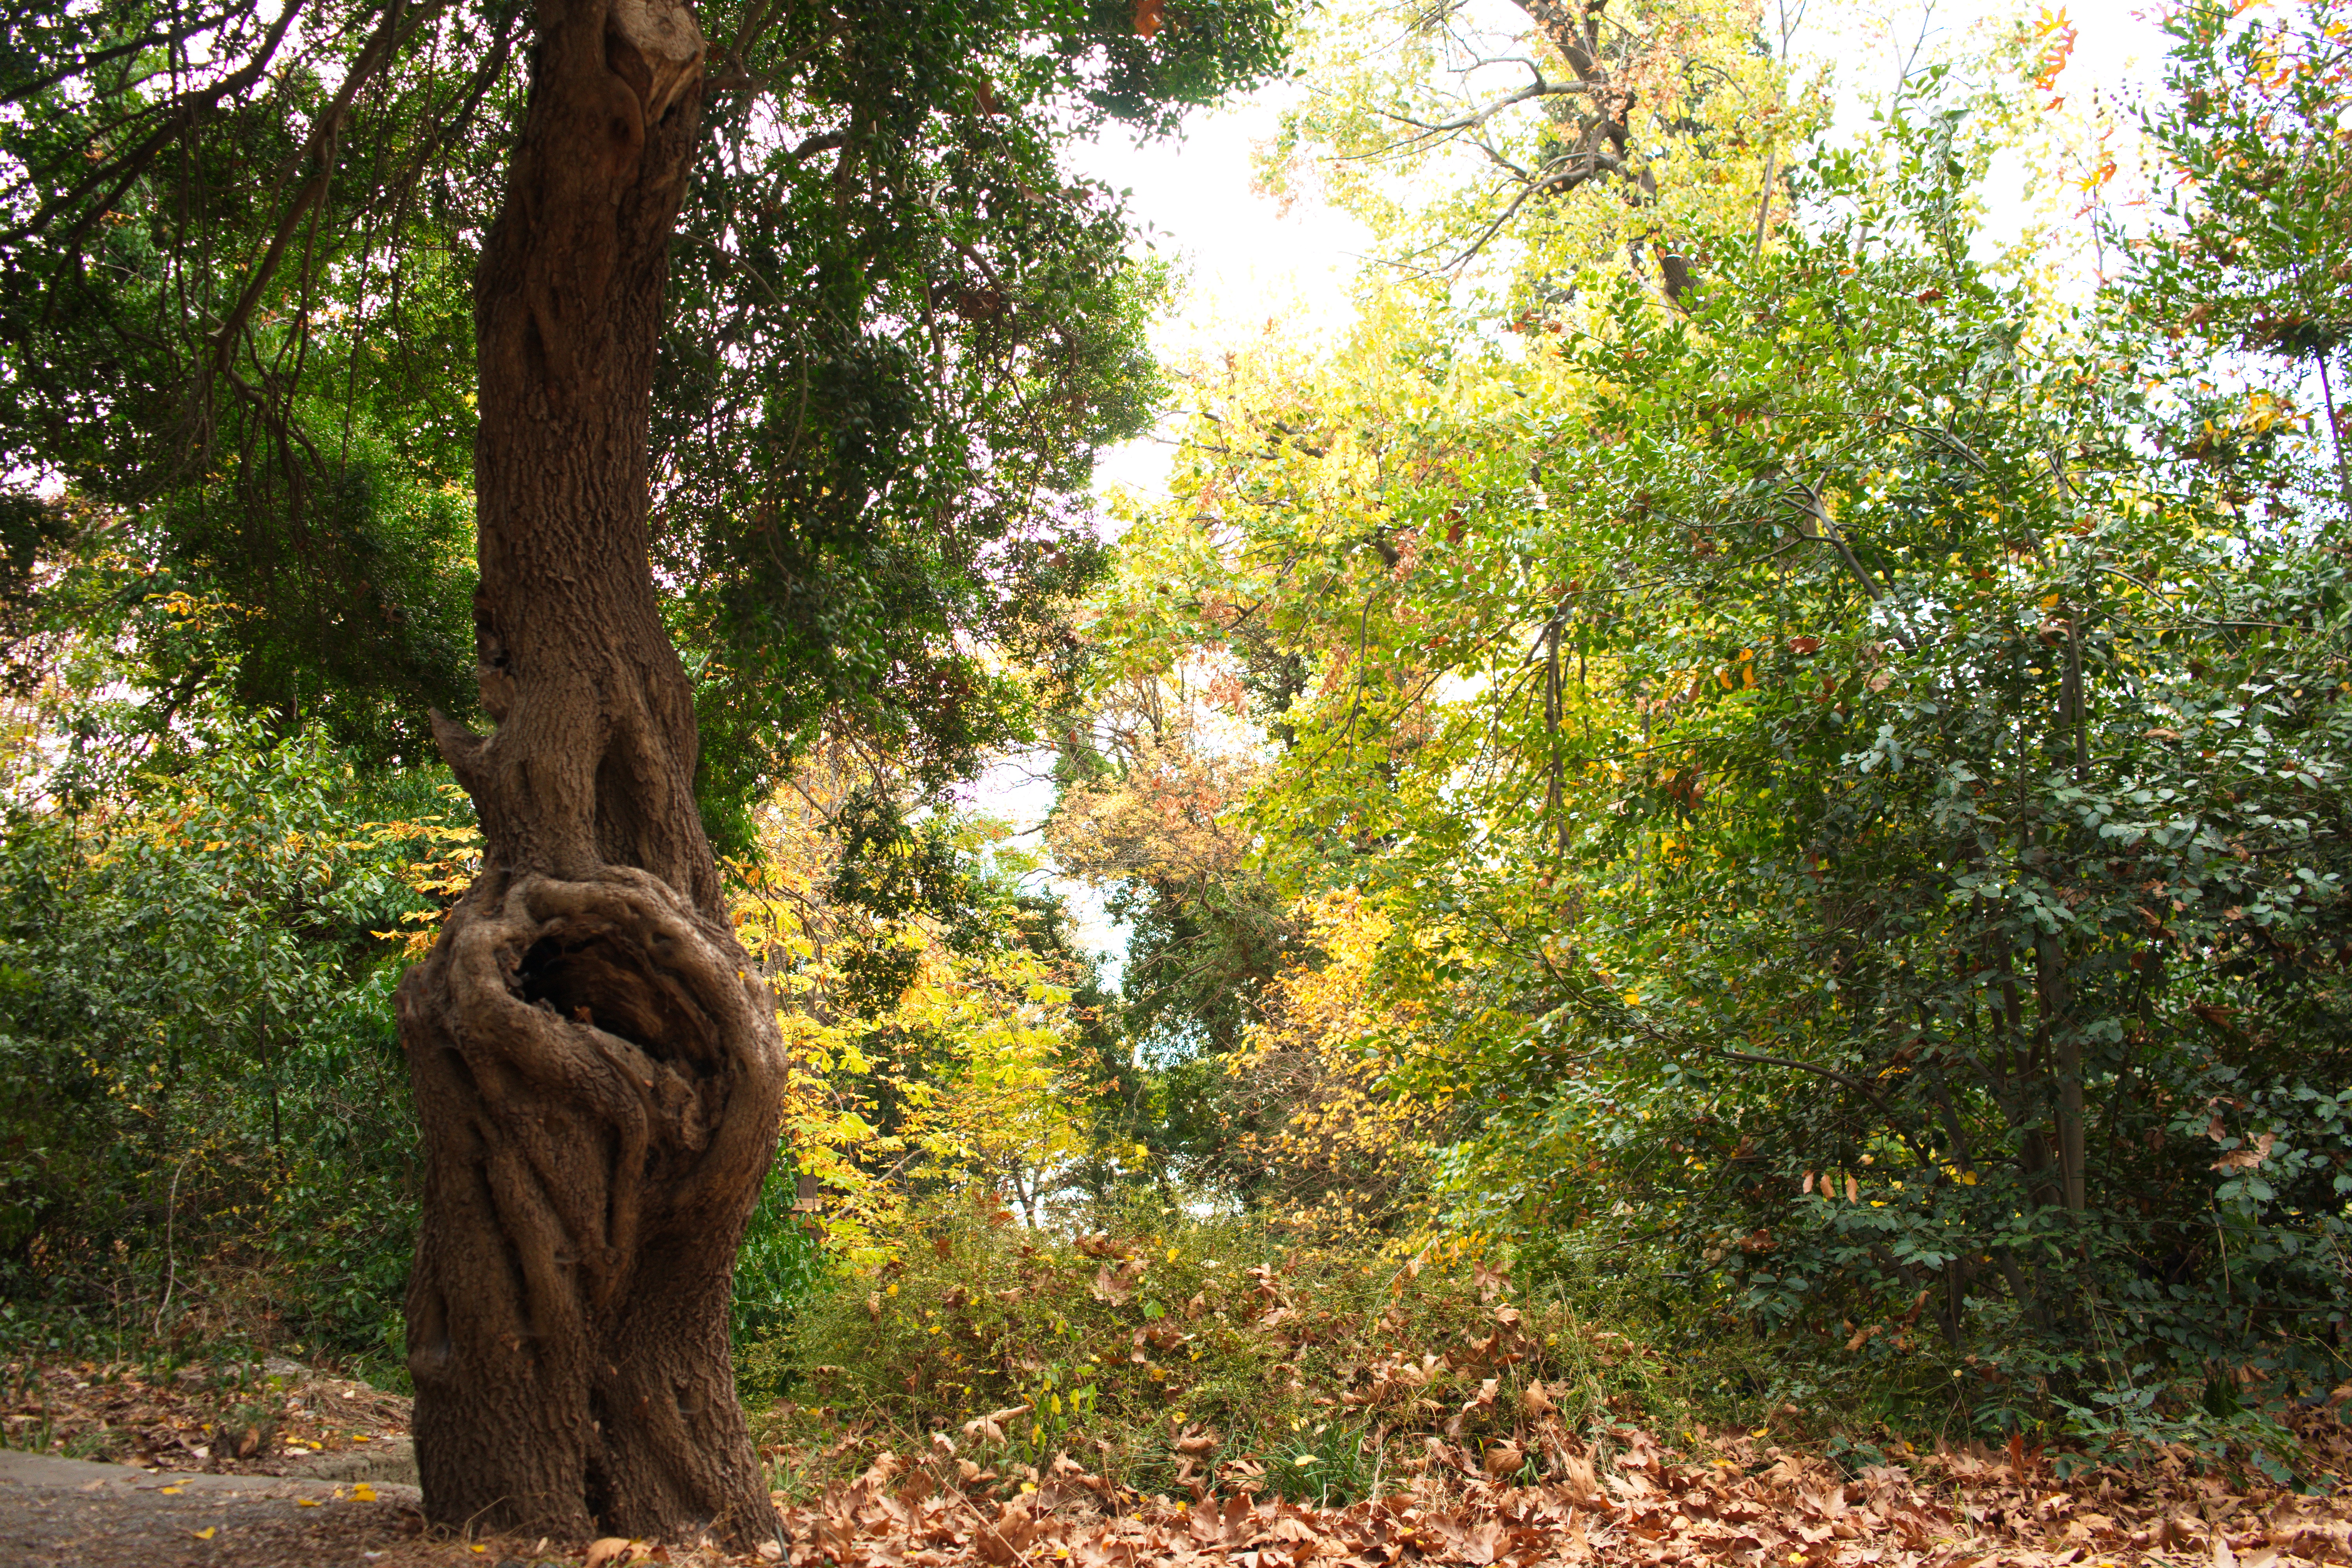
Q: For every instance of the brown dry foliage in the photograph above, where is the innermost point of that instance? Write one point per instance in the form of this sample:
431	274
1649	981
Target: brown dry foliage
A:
191	1419
1167	818
1627	1499
1619	1497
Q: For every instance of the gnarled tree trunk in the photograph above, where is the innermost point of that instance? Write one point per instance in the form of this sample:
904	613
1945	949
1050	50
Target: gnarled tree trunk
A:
597	1068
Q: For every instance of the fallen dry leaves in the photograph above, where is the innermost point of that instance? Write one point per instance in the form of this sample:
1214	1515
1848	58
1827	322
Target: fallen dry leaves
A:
1627	1499
1623	1497
199	1418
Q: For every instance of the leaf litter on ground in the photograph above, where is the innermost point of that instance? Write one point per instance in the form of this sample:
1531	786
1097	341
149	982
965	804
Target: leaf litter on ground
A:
227	1419
1629	1500
1619	1495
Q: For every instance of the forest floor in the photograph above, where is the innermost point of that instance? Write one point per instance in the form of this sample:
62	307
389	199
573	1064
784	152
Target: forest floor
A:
314	1489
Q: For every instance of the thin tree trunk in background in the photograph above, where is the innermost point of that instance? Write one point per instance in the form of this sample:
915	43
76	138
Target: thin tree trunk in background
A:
596	1063
2056	998
1554	807
2335	432
2053	979
270	1070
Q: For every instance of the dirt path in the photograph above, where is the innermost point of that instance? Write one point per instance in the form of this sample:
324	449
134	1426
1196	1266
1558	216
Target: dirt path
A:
71	1513
272	1464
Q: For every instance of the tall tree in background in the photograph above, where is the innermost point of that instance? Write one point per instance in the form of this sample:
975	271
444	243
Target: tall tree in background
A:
1666	115
1858	721
596	1069
2255	252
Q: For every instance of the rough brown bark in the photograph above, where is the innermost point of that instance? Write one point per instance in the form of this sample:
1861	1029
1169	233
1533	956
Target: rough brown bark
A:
597	1068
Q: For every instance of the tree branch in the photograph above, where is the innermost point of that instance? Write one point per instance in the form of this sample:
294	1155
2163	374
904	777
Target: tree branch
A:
320	147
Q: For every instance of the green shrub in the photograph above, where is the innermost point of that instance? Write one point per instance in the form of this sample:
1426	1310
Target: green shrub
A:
780	1266
205	1131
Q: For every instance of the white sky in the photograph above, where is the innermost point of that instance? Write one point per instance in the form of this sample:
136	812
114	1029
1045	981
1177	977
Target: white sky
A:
1247	260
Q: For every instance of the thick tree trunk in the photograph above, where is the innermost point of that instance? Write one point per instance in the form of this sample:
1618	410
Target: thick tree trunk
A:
596	1065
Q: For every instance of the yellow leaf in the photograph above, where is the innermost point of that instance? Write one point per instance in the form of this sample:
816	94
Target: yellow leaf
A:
205	1534
306	1502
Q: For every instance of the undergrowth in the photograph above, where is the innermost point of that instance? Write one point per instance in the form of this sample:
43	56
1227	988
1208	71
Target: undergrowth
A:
1170	1352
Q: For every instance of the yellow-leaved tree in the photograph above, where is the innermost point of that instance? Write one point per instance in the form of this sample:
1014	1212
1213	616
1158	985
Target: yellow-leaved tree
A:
1345	1156
1516	146
927	1006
